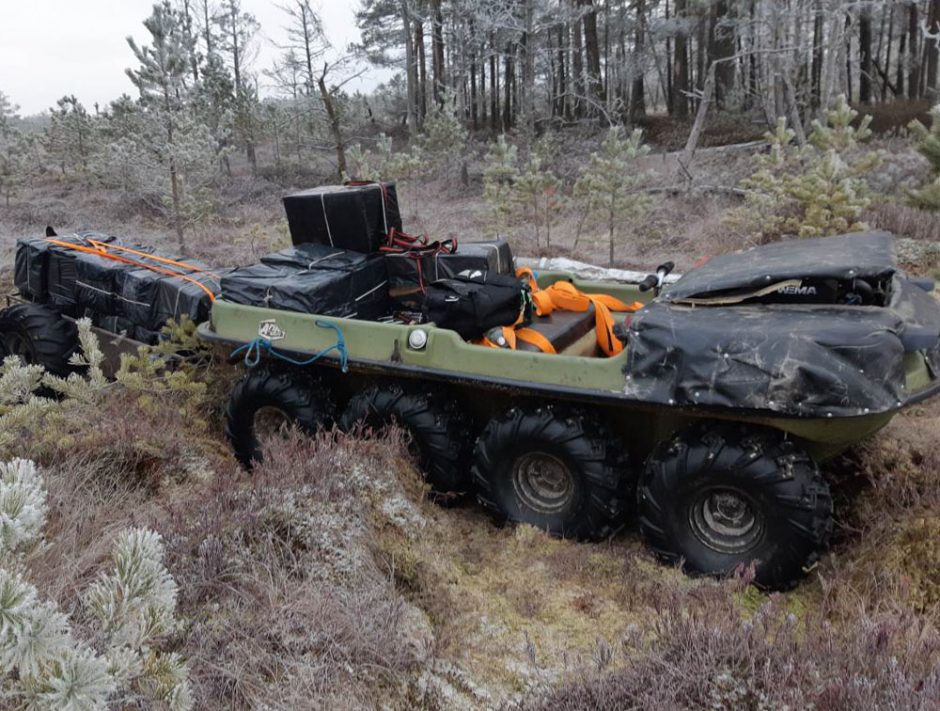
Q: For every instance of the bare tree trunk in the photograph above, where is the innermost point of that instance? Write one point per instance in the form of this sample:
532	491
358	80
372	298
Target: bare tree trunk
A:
638	91
913	72
437	49
722	47
332	115
507	88
680	85
422	73
816	71
931	51
577	59
528	69
592	50
410	75
494	86
864	55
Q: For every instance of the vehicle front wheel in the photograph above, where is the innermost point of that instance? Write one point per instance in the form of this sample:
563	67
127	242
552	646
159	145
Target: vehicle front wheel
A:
717	497
266	402
558	470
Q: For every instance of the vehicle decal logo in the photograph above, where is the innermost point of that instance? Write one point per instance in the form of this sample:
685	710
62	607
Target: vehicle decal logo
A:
270	330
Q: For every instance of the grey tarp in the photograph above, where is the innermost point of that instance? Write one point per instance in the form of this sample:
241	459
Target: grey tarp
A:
811	360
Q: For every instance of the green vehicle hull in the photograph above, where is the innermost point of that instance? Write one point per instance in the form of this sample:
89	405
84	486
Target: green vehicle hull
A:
488	380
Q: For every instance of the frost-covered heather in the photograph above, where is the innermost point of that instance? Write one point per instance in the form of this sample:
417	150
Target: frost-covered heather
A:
43	665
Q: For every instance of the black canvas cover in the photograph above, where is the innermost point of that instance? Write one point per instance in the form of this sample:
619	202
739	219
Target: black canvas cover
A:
819	270
352	286
354	216
811	360
411	270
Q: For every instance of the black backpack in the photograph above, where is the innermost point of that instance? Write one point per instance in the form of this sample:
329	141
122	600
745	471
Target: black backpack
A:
471	306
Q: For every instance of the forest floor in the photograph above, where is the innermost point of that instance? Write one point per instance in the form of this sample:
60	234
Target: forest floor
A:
326	580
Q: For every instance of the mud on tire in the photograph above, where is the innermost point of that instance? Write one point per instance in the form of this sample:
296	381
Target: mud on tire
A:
719	496
39	335
268	393
556	469
441	435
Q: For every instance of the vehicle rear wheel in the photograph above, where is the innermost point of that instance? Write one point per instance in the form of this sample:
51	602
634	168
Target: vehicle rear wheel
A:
716	497
558	470
40	336
266	402
441	436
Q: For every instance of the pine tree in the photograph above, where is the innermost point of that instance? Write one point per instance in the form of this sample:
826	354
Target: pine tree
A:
818	190
70	138
164	65
499	174
609	183
538	190
928	145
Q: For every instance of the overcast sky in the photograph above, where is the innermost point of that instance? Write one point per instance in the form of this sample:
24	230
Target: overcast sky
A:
49	48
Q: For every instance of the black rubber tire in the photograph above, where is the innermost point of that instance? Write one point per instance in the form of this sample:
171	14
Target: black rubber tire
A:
441	435
786	500
594	464
301	400
39	335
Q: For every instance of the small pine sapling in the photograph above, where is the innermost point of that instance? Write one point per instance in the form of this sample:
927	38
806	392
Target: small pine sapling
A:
818	190
610	182
538	190
500	172
928	145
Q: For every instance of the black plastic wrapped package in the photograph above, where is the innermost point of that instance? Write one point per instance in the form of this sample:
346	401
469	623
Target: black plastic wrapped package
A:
360	290
356	216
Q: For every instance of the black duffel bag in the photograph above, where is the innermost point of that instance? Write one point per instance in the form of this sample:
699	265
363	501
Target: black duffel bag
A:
471	306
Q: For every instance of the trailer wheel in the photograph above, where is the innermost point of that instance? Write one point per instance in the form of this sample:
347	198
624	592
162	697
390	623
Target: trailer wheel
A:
558	470
266	401
716	497
40	336
440	434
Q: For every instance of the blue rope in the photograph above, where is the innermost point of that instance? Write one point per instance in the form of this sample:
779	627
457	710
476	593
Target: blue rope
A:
254	350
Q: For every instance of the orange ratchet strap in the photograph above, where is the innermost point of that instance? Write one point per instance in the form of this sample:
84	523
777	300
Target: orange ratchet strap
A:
564	296
101	249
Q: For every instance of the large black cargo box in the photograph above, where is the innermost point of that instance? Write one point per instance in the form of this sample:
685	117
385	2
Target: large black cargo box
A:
188	297
356	217
150	298
352	285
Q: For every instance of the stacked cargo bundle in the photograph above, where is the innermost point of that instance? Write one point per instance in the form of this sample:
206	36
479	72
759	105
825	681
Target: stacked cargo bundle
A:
313	278
414	264
123	288
364	218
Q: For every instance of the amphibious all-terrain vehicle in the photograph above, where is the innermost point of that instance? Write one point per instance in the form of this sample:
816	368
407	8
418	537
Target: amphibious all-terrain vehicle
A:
699	409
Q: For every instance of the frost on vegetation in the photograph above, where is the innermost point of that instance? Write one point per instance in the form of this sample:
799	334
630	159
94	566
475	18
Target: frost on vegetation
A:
22	509
21	404
42	664
818	189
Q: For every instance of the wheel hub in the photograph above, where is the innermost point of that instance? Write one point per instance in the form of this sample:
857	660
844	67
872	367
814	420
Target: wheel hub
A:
543	482
271	422
726	520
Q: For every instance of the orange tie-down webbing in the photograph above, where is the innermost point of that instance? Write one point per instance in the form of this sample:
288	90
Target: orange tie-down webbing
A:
101	249
564	296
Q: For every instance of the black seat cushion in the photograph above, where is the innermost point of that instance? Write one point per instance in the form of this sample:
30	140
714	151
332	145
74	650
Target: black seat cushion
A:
561	328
